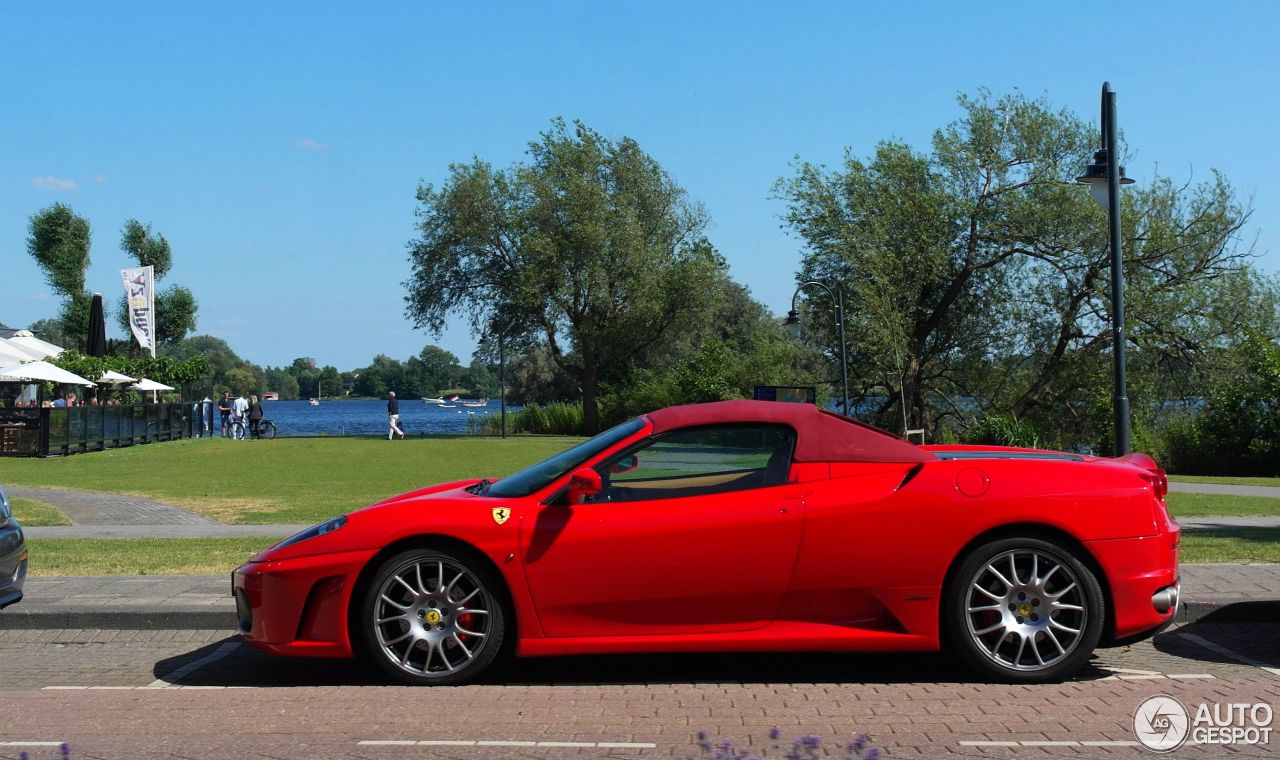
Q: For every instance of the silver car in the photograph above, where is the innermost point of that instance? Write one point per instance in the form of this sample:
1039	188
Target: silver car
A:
13	555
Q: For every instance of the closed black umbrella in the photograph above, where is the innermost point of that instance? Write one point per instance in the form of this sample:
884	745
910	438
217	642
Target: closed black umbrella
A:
97	328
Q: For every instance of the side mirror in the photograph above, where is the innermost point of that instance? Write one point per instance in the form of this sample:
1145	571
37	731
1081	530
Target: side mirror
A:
582	484
626	464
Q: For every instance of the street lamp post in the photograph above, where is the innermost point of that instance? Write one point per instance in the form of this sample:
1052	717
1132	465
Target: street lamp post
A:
1105	186
793	322
502	376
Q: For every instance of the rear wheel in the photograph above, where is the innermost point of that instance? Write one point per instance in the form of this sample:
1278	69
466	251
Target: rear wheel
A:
432	617
1024	610
267	429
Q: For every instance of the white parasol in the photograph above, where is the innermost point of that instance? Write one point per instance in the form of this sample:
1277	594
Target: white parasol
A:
151	385
41	371
12	353
33	345
111	377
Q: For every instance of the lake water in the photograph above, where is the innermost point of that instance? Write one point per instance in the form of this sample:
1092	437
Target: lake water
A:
369	417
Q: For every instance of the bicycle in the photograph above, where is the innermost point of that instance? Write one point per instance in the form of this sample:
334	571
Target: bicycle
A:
266	430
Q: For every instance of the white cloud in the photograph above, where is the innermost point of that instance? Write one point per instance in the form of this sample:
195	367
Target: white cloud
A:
54	183
99	179
307	143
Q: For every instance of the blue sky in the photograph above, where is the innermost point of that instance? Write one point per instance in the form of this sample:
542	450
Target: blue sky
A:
278	146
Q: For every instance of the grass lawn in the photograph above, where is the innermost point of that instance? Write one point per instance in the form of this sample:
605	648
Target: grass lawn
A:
1225	481
1213	505
288	480
32	513
1231	545
142	556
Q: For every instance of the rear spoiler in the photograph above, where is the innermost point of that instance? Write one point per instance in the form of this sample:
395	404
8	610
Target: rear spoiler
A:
1154	475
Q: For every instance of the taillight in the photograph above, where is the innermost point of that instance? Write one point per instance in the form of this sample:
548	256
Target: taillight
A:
1159	481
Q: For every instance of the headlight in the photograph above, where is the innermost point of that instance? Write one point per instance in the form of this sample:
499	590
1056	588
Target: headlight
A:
5	511
328	526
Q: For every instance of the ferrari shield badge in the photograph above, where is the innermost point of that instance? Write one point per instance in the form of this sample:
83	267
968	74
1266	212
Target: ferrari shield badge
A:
501	514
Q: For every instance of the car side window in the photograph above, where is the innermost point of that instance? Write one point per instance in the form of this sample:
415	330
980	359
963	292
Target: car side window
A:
699	461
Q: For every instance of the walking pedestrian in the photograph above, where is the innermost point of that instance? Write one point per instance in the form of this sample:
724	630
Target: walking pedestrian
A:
393	416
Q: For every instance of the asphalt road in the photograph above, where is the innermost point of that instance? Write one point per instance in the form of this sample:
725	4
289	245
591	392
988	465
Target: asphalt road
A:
189	694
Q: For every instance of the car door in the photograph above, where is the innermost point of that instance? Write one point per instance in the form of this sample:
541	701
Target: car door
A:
695	531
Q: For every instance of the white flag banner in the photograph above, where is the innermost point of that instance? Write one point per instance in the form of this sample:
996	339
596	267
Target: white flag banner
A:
140	285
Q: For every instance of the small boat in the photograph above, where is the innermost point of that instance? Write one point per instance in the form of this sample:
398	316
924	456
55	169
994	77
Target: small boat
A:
271	396
314	402
447	406
481	402
433	400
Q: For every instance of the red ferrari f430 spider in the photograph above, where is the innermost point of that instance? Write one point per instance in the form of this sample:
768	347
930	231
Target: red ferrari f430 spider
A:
737	526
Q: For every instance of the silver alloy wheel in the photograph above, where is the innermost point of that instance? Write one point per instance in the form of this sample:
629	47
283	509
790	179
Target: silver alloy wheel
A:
432	617
1026	610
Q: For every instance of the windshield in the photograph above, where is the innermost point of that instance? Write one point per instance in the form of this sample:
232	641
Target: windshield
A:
539	475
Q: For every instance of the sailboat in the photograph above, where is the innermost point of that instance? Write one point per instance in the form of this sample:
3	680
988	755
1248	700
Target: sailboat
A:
315	400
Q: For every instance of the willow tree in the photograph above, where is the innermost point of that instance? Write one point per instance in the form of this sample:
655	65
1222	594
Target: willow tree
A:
977	271
589	245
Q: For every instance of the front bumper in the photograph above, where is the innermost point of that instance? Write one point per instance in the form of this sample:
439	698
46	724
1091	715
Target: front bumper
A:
298	606
1142	574
13	563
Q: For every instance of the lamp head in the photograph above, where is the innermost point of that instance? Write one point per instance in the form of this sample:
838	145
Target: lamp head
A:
1095	176
793	323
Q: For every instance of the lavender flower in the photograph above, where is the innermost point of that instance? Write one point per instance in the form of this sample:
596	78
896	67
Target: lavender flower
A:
66	751
774	733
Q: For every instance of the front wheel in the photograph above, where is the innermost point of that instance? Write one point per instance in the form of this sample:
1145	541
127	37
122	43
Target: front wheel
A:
267	429
432	617
1024	610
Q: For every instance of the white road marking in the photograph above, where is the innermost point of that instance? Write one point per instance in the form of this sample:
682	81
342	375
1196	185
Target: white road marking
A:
1190	676
172	678
501	743
1219	649
161	687
1051	744
31	744
1131	671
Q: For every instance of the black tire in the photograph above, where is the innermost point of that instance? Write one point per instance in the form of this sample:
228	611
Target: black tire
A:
432	617
266	430
995	618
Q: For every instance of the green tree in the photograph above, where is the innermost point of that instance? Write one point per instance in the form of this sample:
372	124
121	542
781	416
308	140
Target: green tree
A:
591	245
59	242
978	270
282	382
176	306
431	371
58	239
221	361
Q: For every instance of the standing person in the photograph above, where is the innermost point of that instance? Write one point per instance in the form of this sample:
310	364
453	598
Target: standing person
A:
239	410
393	416
255	416
224	409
